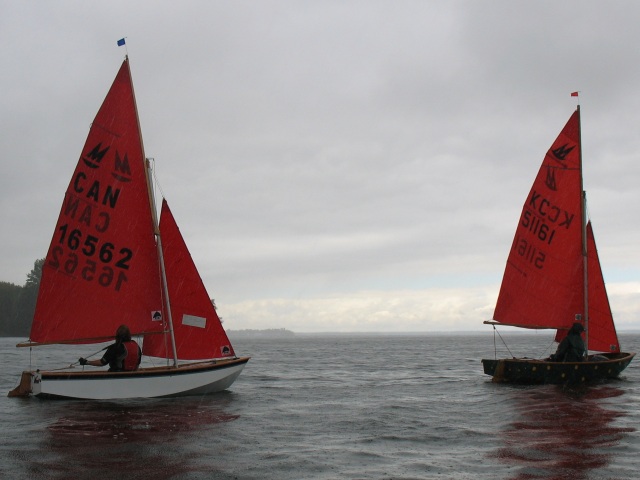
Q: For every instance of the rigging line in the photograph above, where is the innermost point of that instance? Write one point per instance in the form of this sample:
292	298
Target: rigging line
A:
156	185
72	365
548	349
586	206
505	343
95	353
495	347
156	182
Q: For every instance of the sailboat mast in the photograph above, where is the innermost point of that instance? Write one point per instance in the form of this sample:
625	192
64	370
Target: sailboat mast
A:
163	273
583	205
156	228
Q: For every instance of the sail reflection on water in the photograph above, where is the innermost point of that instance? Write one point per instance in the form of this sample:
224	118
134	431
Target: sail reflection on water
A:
141	441
562	433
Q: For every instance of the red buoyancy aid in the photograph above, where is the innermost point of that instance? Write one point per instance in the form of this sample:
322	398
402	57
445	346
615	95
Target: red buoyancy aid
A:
132	359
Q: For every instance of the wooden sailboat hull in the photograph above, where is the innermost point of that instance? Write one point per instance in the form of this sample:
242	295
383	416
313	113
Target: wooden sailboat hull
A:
186	380
531	371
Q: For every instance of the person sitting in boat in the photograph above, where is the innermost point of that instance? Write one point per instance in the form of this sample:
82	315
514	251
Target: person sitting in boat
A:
571	348
123	355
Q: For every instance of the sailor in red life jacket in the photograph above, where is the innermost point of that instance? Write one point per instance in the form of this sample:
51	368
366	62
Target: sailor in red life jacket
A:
122	356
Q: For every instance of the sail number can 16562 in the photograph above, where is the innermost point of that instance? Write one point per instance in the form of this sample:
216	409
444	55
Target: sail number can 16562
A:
110	271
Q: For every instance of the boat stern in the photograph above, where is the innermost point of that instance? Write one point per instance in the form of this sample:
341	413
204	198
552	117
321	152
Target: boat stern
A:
489	366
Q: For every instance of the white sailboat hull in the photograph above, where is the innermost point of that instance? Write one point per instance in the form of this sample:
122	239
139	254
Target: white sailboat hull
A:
189	379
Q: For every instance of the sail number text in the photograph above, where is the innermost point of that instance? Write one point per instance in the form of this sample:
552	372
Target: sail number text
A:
538	227
534	225
99	258
529	252
541	221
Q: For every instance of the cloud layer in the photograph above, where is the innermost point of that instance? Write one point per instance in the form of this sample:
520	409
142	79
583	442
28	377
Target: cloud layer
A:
333	166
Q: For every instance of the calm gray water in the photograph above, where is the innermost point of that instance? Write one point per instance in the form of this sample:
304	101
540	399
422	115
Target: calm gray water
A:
335	407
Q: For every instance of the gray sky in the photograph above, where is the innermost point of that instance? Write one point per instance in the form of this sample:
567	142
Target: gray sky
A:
334	165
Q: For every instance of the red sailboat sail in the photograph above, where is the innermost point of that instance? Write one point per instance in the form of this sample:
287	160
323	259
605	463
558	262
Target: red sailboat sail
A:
541	287
543	282
602	330
101	269
197	328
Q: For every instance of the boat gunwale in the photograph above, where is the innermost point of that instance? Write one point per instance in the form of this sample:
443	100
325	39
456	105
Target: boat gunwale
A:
620	356
184	369
531	371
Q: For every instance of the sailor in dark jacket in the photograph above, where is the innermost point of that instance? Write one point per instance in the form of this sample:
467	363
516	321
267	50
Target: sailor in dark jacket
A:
123	355
571	348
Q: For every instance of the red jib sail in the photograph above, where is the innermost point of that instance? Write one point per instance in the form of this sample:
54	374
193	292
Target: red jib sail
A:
197	328
543	283
101	269
602	330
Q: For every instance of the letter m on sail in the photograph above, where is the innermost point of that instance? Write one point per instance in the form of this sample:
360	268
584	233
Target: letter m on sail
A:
121	168
93	158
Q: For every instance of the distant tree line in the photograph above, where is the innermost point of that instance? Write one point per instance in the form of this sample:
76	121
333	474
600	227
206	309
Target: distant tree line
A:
18	303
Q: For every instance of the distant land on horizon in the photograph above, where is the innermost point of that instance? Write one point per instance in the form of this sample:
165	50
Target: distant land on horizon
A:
267	332
283	332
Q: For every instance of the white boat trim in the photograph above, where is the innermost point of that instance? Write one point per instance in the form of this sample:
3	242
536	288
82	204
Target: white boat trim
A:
200	378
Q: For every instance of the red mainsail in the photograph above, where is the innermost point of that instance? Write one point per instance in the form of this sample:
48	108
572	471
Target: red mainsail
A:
543	283
102	269
197	328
